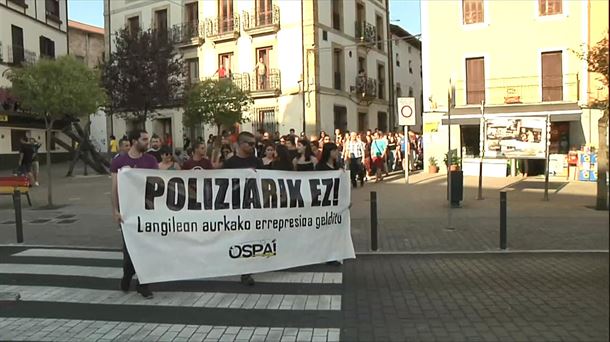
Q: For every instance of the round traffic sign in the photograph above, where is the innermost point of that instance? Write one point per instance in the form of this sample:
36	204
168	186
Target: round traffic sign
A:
406	112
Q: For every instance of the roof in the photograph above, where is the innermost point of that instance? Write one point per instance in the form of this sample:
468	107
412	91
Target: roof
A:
402	33
85	27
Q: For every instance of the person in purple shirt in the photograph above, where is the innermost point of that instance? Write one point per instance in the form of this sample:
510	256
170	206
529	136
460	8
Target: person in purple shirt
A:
135	158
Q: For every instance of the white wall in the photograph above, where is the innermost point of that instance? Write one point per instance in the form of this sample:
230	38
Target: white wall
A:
39	134
407	79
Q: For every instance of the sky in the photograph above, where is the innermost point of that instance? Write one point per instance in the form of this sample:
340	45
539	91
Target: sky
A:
404	13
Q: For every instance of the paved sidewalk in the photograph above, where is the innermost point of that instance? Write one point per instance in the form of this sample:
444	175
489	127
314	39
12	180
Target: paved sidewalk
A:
412	217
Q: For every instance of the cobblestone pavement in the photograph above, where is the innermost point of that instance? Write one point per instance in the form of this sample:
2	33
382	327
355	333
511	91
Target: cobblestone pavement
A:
72	295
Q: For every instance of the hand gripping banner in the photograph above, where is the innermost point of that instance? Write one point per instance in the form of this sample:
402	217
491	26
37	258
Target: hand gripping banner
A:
197	224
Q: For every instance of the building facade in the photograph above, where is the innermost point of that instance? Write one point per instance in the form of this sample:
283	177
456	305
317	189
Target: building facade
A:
309	65
507	68
408	69
29	30
86	43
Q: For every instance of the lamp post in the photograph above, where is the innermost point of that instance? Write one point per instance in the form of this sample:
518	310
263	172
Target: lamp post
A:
481	150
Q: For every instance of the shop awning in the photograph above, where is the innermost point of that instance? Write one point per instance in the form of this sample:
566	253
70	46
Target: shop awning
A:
560	112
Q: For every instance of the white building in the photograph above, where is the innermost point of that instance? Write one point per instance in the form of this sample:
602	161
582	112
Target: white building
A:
408	69
312	51
29	30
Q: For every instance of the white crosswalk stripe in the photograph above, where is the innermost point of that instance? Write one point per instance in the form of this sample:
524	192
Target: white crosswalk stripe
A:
49	281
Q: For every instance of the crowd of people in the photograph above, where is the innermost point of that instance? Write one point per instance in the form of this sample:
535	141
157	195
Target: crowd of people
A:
370	154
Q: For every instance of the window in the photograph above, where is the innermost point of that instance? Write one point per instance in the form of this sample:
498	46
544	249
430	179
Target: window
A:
379	26
552	79
192	69
161	22
475	80
338	68
47	47
381	80
382	121
52	8
473	11
324	35
225	12
397	61
264	12
191	11
337	9
225	65
363	122
361	65
18	51
549	7
410	67
340	118
263	55
265	119
133	24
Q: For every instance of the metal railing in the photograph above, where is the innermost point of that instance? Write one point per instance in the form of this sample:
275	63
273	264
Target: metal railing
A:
265	119
366	87
256	19
520	90
365	32
185	33
219	26
267	82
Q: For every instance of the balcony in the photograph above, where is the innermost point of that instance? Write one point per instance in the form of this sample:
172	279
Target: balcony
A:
520	90
268	85
187	34
365	33
17	55
257	23
365	89
222	28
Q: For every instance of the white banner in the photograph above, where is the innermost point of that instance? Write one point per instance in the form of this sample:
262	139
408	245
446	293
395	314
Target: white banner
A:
196	224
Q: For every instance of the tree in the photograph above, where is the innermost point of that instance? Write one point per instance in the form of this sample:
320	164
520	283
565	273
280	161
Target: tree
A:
216	102
143	74
52	90
597	62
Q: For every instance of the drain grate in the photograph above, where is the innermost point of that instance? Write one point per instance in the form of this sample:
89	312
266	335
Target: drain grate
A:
40	221
66	221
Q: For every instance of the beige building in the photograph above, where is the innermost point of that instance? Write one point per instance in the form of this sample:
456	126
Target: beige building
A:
515	56
309	65
29	30
86	43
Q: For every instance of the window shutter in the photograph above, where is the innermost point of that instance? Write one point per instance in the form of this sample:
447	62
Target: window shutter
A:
475	80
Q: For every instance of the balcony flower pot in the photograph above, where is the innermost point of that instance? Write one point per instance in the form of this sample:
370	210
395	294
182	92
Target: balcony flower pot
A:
454	165
433	167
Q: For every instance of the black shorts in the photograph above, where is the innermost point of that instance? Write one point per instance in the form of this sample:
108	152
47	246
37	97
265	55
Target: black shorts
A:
25	168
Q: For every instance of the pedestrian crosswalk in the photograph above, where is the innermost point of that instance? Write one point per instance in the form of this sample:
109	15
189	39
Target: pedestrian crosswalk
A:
73	295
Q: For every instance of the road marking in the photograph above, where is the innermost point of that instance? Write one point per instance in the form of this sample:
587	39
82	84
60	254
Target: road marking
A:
69	253
117	273
212	300
32	329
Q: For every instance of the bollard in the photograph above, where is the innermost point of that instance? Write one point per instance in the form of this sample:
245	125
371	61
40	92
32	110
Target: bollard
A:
502	219
18	218
374	220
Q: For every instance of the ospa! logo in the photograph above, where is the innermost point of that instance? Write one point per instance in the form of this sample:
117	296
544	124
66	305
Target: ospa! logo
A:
254	249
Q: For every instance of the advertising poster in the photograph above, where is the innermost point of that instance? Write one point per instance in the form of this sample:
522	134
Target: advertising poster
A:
523	138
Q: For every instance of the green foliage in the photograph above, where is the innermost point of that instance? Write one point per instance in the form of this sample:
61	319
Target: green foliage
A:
597	62
455	159
432	161
143	73
216	102
63	88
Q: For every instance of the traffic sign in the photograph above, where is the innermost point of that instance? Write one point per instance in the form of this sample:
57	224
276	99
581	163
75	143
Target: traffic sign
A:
406	111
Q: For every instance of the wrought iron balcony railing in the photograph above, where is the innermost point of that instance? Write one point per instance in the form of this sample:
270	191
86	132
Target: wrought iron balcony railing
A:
519	90
222	28
265	84
259	22
366	88
17	55
365	32
188	33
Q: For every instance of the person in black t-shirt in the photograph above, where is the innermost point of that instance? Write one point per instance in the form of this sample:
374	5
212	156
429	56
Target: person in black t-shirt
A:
328	161
26	155
244	158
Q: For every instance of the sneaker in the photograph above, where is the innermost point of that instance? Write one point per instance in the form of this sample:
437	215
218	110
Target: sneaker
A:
247	279
145	291
125	282
361	182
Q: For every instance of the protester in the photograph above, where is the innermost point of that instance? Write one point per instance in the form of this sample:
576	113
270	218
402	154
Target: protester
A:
354	152
155	145
378	153
269	155
26	155
330	155
244	159
282	161
305	161
199	160
114	148
35	162
124	146
167	159
135	158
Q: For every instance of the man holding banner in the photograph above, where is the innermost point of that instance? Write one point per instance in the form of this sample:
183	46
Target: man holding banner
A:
135	158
